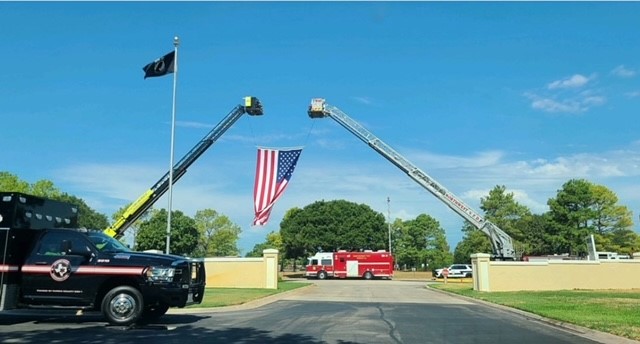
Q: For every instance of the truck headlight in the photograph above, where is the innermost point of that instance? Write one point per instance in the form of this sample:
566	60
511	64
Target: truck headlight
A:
158	274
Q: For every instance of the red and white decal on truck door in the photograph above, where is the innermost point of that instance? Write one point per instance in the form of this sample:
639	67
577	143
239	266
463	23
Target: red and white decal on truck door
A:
9	268
86	270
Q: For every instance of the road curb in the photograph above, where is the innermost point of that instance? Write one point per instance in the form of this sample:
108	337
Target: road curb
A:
602	337
244	306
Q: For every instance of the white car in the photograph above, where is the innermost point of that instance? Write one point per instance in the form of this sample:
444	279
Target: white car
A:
455	270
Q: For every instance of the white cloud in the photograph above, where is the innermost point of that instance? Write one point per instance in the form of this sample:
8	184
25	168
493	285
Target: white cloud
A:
593	101
574	81
623	72
363	100
566	101
550	105
522	197
480	159
188	124
633	94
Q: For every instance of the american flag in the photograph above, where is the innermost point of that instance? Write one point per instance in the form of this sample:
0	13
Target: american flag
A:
273	172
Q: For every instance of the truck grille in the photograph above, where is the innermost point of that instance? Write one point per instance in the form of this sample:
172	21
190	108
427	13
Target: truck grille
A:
190	272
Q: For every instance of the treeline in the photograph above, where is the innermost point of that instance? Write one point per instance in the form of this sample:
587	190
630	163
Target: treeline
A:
580	208
207	234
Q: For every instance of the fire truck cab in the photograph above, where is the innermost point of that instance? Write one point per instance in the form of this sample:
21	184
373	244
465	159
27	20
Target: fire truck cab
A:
343	264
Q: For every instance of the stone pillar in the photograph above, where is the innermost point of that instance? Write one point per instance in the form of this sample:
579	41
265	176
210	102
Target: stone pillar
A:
271	268
480	266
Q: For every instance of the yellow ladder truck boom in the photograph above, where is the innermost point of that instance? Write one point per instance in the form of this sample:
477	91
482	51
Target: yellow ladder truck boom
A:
251	106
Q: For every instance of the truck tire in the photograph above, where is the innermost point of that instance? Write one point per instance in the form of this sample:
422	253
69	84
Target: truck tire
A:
123	305
322	275
368	275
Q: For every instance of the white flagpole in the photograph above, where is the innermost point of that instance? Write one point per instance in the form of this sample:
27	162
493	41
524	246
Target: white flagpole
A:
176	42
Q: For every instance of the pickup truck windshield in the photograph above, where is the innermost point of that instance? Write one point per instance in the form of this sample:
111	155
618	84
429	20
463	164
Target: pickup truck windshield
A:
105	243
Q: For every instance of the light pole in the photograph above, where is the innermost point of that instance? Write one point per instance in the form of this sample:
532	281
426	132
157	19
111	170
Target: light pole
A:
389	220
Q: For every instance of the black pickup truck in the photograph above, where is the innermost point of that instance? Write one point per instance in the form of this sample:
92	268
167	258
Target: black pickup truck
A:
47	262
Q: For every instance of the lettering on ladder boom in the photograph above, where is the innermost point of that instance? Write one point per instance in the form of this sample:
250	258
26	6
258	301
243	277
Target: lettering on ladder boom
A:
464	208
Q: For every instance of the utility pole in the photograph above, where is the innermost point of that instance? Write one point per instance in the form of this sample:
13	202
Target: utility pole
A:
389	220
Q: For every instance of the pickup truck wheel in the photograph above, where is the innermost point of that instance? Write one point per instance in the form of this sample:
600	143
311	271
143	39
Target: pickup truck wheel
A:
122	305
368	275
322	275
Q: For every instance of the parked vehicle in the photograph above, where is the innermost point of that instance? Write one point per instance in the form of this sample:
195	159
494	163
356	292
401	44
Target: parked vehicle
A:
46	261
342	264
455	271
611	256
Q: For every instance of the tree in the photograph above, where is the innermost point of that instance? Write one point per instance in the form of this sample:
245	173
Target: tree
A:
609	216
87	217
272	241
504	211
43	188
330	226
218	235
153	233
465	248
501	209
581	208
540	237
11	183
474	241
422	240
396	236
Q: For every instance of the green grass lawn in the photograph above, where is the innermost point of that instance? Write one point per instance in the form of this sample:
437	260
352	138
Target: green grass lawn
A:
220	297
612	311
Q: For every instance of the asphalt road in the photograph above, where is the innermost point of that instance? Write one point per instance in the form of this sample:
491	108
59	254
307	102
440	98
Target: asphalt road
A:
331	311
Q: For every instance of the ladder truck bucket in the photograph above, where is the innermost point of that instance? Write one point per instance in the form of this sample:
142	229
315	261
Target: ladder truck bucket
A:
252	106
316	109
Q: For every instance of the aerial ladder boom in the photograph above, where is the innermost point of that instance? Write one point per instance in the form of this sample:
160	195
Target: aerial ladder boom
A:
501	241
251	106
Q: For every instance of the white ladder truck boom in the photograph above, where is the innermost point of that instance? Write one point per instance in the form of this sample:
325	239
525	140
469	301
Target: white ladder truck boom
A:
251	106
501	242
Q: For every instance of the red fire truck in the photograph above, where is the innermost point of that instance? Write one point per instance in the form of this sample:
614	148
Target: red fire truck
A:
342	264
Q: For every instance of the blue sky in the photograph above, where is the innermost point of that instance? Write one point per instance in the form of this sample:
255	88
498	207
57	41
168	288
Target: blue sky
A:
522	94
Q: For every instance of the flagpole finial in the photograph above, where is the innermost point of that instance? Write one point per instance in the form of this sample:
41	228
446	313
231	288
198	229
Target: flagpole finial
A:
176	41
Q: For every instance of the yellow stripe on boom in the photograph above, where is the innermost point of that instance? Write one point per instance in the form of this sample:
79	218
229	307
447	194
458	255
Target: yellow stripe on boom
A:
112	231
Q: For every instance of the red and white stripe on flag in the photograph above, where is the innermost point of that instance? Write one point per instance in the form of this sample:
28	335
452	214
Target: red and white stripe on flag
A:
273	171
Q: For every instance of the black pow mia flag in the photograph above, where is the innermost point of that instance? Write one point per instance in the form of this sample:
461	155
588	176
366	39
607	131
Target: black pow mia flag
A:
161	66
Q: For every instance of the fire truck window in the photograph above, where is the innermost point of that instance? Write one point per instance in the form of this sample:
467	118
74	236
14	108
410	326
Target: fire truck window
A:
314	262
326	262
